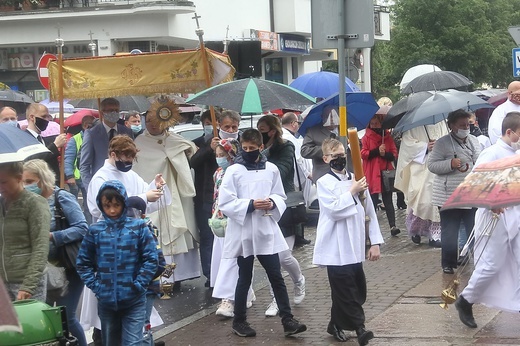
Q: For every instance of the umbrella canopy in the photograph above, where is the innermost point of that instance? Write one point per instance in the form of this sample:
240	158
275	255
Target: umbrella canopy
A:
438	80
361	107
75	119
437	107
402	106
252	95
322	84
54	106
127	103
490	185
17	145
14	96
53	129
416	71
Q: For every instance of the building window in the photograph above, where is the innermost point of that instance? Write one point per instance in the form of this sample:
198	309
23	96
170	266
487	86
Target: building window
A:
294	67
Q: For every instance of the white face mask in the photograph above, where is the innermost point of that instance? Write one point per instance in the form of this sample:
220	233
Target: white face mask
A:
227	135
462	133
515	146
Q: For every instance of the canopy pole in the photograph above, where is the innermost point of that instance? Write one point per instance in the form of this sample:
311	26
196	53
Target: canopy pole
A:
59	46
200	33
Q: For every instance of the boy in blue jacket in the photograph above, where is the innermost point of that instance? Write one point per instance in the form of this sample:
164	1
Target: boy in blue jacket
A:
117	261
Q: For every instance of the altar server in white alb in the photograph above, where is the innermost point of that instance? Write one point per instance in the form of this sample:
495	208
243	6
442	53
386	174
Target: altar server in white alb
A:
252	197
494	282
340	242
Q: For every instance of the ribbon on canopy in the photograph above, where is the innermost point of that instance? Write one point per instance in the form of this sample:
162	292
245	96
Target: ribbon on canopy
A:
139	74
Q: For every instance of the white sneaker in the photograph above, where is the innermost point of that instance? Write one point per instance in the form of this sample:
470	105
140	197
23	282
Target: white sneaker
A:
272	309
250	302
299	291
226	308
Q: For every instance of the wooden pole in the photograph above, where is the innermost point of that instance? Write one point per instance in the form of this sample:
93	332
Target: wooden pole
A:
200	34
59	46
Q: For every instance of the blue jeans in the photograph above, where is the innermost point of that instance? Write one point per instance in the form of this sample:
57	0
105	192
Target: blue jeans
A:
70	301
202	214
147	336
123	326
271	264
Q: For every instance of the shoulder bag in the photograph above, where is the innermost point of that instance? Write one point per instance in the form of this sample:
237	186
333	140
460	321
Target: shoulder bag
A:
387	179
296	211
217	225
67	253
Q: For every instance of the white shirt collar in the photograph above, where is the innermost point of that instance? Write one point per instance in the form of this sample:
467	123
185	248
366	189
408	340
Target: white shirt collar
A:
108	128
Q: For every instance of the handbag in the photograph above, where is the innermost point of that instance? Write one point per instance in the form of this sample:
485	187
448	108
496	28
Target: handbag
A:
296	211
67	253
217	225
388	179
56	278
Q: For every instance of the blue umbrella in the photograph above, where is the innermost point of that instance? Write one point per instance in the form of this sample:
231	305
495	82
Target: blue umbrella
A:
361	107
17	145
322	84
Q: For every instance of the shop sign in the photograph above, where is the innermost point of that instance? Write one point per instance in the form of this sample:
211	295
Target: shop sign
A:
268	39
295	44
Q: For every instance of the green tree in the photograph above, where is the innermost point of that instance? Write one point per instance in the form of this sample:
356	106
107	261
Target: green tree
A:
466	36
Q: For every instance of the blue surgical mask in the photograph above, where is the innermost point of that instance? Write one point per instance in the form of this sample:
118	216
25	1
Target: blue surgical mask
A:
208	130
13	123
34	188
136	128
223	162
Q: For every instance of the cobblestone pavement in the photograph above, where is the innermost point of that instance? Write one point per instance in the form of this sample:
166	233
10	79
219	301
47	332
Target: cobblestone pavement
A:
402	306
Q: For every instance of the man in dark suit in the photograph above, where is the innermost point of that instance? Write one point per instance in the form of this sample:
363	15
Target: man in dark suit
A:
38	118
94	150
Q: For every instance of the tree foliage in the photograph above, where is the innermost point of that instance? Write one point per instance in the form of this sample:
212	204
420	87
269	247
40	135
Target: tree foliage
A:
466	36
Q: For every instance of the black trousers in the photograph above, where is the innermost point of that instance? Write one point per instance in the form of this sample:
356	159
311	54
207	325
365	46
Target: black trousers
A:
450	224
202	214
389	206
349	292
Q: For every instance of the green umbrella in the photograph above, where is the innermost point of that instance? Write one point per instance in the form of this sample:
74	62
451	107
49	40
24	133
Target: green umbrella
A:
252	96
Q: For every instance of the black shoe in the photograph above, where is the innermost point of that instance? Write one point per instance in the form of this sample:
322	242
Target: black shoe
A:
416	239
462	260
243	329
292	326
465	310
448	270
364	335
301	241
159	343
337	333
435	243
394	231
207	283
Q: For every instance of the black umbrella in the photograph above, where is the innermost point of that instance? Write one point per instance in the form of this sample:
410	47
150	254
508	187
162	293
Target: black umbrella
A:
438	80
15	99
127	103
397	111
252	95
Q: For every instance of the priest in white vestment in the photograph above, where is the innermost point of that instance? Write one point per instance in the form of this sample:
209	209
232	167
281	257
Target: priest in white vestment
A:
495	280
169	153
415	180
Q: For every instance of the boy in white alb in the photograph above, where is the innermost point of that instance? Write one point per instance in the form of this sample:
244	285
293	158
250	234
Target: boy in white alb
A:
340	242
252	197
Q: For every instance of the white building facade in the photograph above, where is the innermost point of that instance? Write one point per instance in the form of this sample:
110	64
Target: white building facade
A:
283	28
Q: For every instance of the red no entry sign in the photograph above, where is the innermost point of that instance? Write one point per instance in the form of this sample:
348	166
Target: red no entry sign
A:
43	72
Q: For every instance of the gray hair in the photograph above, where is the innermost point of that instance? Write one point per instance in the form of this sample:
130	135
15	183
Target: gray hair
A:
42	170
229	114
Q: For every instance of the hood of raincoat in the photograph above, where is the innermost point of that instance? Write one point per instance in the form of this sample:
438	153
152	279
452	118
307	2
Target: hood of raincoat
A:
119	187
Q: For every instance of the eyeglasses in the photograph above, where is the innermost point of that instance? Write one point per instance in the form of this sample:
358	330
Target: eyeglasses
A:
335	156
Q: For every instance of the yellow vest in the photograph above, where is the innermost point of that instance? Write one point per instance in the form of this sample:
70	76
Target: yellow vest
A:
78	138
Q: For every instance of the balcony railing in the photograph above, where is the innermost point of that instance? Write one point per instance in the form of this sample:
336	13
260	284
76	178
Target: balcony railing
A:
36	5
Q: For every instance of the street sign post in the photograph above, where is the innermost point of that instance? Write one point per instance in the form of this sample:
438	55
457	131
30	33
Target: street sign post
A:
43	72
516	62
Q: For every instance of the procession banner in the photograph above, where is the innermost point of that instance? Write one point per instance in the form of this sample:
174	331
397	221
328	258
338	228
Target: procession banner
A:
139	74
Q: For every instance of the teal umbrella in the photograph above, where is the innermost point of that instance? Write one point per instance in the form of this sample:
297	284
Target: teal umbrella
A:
252	96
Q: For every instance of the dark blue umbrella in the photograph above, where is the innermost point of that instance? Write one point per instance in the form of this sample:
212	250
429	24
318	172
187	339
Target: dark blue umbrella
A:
17	145
322	84
361	107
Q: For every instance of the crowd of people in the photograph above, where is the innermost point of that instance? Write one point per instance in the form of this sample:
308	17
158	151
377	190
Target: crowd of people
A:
238	181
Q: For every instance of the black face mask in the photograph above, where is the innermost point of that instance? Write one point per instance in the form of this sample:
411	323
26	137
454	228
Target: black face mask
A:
41	123
123	166
250	156
265	137
338	164
474	130
379	131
